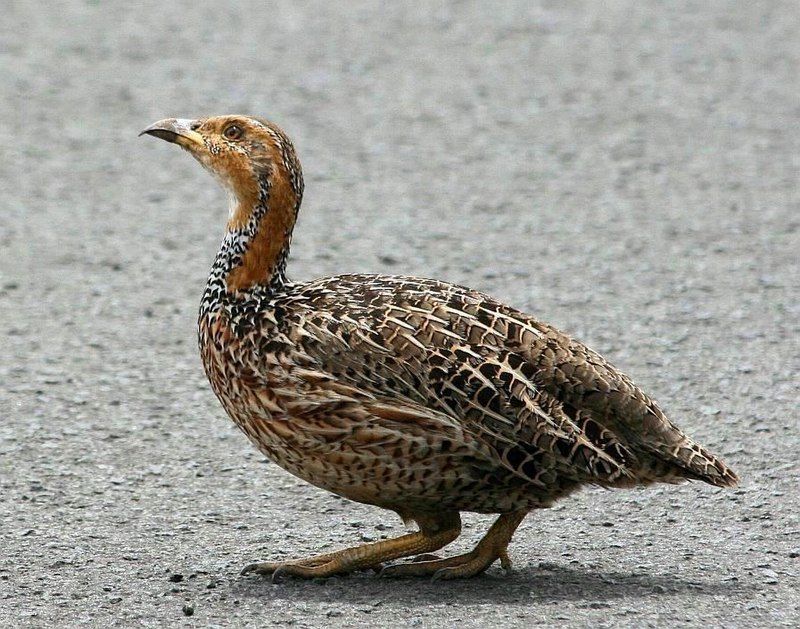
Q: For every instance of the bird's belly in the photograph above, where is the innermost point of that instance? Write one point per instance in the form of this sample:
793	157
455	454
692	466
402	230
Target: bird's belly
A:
406	481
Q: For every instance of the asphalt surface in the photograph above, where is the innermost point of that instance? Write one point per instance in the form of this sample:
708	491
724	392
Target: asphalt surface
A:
624	170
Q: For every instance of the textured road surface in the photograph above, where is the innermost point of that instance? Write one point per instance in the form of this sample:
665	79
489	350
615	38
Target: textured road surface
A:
625	170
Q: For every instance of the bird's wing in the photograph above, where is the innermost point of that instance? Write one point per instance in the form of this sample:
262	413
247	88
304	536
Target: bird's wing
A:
422	345
585	385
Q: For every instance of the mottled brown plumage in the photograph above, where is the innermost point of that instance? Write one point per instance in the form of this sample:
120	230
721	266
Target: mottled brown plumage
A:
414	395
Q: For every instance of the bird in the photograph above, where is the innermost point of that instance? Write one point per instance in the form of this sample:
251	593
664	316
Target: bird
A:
418	396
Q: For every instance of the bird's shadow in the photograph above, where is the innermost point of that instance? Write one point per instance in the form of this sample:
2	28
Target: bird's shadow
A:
544	583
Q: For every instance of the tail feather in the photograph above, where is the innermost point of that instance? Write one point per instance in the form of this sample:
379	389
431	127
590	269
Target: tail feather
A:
697	463
686	458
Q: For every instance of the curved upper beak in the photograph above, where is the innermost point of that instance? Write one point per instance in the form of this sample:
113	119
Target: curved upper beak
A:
176	130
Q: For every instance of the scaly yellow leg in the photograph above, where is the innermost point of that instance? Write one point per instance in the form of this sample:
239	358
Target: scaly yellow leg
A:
435	532
492	547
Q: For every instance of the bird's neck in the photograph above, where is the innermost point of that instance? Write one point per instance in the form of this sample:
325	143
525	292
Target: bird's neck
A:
255	247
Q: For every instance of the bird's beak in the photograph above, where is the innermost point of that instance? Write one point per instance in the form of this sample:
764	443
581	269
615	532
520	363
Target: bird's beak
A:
176	130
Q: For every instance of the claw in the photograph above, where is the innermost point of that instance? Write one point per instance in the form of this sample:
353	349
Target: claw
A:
257	567
260	567
278	574
386	571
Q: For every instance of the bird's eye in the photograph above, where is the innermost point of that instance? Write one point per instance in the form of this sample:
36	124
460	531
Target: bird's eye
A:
233	132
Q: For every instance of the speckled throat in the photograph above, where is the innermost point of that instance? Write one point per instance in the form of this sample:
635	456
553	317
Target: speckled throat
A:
253	253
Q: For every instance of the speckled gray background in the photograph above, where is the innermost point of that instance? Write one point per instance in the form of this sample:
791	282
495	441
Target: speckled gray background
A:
624	170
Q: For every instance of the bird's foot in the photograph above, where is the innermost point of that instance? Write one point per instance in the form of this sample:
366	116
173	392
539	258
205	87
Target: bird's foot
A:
271	567
492	547
458	567
319	566
433	534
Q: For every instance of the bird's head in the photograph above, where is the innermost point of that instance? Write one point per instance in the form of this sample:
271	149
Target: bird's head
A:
253	159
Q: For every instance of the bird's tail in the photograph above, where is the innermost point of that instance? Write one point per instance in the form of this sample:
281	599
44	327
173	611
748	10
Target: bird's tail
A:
694	462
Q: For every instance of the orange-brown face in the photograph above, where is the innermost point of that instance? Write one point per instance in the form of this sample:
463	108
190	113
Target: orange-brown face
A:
256	163
239	151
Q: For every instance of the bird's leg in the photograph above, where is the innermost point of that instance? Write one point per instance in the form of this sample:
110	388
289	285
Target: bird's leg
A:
434	533
492	547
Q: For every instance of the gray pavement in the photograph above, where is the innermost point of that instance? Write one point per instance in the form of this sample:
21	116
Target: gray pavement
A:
624	170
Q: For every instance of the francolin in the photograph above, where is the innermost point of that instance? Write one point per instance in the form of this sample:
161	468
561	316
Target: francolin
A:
410	394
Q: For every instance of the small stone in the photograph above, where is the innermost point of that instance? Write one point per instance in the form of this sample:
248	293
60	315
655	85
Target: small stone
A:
188	610
709	410
176	578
